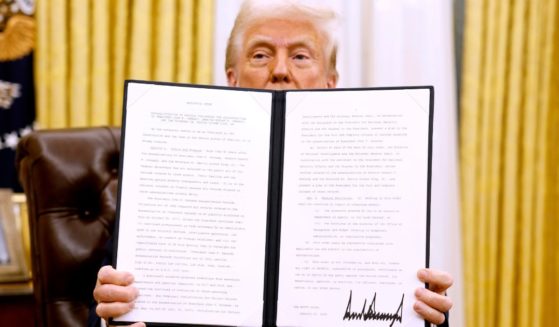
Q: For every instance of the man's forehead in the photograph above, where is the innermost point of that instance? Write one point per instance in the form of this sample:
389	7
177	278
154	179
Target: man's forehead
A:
281	32
255	40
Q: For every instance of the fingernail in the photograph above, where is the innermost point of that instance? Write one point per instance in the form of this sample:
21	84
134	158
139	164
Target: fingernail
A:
417	306
422	274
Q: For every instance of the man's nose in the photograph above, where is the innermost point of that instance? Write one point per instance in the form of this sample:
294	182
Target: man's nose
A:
280	69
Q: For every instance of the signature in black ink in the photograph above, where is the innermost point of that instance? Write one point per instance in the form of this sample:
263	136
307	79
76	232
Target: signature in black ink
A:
371	313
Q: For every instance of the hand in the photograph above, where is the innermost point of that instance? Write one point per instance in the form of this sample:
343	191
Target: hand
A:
432	303
114	293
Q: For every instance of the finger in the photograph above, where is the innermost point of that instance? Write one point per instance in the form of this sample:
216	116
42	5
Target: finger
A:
439	281
108	275
433	316
108	310
114	293
434	300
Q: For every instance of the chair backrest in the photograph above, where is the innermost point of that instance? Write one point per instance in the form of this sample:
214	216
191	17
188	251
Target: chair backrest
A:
70	180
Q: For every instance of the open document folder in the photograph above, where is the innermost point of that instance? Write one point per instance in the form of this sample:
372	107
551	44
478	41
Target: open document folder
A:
241	207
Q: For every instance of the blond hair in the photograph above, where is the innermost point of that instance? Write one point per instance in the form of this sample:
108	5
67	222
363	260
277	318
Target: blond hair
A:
323	19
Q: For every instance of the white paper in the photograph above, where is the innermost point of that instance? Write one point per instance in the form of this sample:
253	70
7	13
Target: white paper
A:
354	207
193	204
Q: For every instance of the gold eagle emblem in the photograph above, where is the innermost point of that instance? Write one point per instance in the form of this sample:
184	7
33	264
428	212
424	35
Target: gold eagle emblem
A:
18	38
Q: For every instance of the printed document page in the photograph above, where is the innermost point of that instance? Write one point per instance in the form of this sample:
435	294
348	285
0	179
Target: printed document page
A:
192	221
354	207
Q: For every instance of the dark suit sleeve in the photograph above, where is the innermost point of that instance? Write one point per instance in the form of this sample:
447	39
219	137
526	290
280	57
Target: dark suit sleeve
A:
93	319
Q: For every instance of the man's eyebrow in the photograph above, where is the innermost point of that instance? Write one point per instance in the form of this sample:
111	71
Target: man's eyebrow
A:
258	41
263	40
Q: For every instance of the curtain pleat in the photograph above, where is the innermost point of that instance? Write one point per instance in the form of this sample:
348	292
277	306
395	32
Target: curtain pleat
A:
119	55
509	162
86	49
41	66
546	257
79	63
511	166
57	65
204	25
165	38
141	36
185	43
469	148
100	113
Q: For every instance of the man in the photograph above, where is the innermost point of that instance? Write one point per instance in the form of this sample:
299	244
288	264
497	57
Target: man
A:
277	47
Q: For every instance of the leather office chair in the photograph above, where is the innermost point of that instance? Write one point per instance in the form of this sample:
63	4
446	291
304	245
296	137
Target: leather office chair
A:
70	180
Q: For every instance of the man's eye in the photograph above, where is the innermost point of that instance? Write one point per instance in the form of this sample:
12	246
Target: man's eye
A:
259	56
300	57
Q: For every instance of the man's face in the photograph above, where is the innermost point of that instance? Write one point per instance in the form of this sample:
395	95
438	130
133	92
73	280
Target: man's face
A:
281	54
